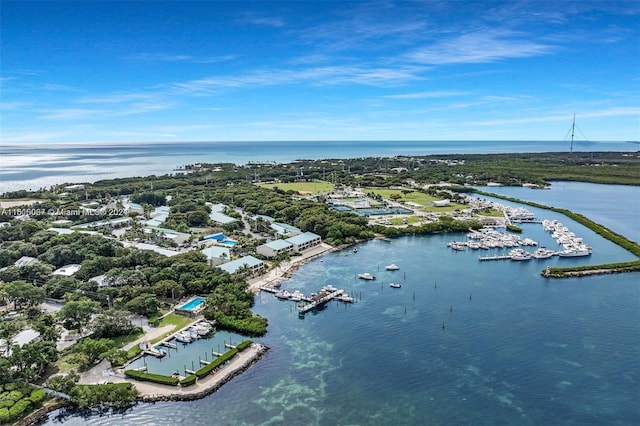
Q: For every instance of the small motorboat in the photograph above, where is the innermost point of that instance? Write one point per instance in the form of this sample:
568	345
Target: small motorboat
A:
366	276
392	267
395	285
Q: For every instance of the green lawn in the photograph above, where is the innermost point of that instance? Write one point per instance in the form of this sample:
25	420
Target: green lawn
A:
417	197
492	212
411	220
179	321
315	187
120	341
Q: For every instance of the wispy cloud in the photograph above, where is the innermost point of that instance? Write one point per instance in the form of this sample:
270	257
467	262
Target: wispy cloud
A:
479	47
609	112
428	95
70	114
328	75
256	18
166	57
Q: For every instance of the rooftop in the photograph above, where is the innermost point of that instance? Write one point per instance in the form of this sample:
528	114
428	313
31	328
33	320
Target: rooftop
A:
67	270
234	265
303	238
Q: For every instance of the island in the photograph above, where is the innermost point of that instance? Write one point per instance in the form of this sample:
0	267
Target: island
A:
96	276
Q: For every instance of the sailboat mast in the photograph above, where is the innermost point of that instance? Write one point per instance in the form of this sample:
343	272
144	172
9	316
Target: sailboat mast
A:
573	129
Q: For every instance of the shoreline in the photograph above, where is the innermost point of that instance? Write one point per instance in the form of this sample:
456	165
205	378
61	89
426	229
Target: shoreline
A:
152	392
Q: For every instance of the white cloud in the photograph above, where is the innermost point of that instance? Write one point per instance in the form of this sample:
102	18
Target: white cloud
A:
483	46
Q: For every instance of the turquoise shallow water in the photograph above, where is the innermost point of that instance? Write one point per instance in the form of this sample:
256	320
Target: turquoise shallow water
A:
522	350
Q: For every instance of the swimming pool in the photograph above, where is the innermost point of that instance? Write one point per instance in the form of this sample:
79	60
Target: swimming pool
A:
228	242
193	304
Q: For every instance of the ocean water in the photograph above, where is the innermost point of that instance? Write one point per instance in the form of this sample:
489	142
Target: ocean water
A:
516	348
33	167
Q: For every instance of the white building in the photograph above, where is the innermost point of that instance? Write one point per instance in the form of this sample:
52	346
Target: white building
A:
20	339
285	230
217	255
275	248
25	261
304	241
169	234
256	265
67	270
216	214
440	203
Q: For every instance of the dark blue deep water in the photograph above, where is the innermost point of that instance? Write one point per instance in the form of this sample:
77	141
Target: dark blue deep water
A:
516	349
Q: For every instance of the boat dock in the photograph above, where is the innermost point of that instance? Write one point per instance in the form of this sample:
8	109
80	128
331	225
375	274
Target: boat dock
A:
321	298
496	257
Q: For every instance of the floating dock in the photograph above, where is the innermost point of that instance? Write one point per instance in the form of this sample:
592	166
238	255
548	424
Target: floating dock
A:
497	257
320	299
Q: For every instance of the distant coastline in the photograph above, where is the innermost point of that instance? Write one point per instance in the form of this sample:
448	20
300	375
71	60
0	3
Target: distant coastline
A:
31	167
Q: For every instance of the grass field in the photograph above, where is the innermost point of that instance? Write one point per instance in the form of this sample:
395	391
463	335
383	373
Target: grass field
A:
315	187
418	198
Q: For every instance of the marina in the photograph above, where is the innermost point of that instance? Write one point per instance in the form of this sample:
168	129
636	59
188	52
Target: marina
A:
314	300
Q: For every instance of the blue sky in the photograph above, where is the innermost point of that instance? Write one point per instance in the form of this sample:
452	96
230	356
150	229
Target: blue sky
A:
147	71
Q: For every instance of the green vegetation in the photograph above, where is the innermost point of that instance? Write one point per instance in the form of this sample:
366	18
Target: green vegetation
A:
207	369
188	381
143	376
444	224
418	197
118	395
149	284
243	345
17	401
514	228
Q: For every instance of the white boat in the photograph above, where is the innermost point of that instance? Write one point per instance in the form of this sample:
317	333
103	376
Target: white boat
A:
542	253
366	276
395	285
392	267
519	254
574	253
296	296
182	337
193	334
283	294
202	329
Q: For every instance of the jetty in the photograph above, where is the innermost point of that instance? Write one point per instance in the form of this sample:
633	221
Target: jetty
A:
325	295
496	257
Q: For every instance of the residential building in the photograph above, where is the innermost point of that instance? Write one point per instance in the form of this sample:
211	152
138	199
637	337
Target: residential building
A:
304	241
254	264
275	248
217	255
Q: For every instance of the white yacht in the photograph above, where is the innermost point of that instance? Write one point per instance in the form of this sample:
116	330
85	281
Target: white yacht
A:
519	254
296	296
395	285
574	252
392	267
203	328
182	337
542	253
283	294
